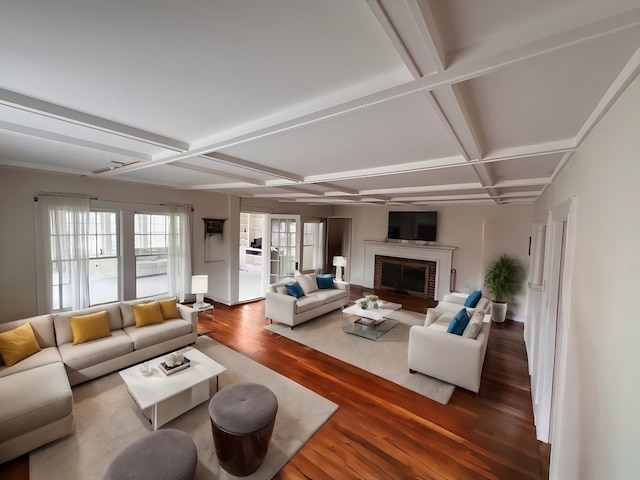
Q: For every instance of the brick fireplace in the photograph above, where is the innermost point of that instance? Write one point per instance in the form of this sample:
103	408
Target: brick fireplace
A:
405	275
413	254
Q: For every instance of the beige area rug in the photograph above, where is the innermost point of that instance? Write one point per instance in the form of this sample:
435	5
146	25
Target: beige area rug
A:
107	420
386	357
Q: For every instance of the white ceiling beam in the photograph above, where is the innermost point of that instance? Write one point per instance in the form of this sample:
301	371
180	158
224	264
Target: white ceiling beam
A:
212	171
523	182
421	189
390	29
254	167
619	85
23	131
40	107
421	12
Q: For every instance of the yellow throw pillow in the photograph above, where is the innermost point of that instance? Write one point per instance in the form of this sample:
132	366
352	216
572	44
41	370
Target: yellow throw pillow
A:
169	309
17	344
147	314
90	327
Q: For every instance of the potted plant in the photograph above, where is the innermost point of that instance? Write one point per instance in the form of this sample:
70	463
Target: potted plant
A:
503	279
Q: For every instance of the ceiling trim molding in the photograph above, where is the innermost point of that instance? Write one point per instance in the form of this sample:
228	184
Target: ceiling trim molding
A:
40	107
21	130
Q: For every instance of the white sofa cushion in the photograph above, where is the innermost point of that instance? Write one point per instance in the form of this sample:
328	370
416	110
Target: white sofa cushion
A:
149	335
308	283
475	324
44	357
308	302
88	354
34	398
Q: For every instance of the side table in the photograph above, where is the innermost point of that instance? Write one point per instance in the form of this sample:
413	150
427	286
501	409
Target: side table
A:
207	312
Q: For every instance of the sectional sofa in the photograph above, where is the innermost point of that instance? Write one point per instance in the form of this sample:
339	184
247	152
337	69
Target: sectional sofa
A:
314	296
36	403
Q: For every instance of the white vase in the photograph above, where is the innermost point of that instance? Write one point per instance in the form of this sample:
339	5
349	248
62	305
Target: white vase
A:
498	312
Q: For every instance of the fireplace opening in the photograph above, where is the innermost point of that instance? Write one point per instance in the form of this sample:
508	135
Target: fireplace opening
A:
405	276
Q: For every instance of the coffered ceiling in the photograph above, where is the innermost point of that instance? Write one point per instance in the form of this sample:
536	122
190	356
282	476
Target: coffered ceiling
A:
397	102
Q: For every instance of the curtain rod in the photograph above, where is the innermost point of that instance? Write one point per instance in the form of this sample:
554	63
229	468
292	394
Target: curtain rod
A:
190	205
55	194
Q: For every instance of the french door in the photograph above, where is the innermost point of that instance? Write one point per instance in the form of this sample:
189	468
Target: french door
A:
297	244
284	256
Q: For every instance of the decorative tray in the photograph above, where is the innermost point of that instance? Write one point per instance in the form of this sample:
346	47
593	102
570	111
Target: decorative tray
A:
167	370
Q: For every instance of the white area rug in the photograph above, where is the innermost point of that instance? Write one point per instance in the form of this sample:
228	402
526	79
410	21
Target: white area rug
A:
107	420
386	357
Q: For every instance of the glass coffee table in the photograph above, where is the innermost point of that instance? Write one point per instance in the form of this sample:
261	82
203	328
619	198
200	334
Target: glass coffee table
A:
371	322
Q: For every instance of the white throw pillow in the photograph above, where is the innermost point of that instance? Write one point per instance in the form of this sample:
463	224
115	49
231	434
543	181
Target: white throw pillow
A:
474	326
308	283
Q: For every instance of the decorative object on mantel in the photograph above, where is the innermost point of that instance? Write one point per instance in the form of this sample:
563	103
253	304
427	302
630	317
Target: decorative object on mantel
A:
503	279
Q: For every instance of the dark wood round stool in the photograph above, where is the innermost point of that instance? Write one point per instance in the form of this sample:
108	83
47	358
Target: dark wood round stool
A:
242	420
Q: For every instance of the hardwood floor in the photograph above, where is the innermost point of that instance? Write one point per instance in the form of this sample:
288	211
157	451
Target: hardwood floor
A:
383	431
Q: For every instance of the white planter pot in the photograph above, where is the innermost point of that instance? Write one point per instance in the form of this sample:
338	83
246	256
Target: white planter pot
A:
498	312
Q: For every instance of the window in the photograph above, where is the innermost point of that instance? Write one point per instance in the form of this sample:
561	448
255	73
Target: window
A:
151	239
92	252
104	259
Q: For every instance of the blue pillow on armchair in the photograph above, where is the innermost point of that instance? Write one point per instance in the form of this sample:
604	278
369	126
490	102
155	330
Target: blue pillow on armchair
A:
325	281
294	289
473	299
459	322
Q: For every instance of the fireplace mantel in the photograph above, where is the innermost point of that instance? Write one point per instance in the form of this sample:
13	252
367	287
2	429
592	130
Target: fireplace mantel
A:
441	255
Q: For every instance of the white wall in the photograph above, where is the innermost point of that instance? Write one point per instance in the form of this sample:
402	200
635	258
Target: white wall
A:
480	234
596	432
17	262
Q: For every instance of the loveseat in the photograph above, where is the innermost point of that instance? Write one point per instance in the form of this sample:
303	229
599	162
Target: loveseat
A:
315	295
36	403
453	358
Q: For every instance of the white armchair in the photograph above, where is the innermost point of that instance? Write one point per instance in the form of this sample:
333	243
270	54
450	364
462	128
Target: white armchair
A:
456	359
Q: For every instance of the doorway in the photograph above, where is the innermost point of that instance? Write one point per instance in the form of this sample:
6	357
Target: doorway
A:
338	244
252	275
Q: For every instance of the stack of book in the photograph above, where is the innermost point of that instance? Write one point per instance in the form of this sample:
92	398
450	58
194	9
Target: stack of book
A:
167	370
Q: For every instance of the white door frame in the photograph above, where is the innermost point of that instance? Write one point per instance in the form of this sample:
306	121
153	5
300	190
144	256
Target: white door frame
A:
551	363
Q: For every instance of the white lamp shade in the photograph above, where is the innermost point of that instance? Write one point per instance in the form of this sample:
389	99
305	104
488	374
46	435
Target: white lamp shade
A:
339	261
199	284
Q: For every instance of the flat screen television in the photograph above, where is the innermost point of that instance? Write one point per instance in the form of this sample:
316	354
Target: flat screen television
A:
416	226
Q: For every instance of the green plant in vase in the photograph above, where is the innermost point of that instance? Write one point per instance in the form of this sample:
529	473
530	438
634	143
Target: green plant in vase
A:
502	280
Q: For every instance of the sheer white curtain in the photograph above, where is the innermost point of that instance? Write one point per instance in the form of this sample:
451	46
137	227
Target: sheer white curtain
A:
62	252
179	261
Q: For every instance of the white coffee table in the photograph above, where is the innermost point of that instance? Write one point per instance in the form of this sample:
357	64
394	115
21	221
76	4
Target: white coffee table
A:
164	397
369	323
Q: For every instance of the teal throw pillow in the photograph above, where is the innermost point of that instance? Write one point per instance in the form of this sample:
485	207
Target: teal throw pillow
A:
325	281
459	322
473	299
294	289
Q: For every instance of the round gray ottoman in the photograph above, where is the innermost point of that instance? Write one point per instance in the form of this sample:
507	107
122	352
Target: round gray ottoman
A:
242	420
161	455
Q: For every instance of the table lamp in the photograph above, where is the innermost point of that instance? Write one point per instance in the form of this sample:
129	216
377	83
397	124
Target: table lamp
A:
200	286
339	261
